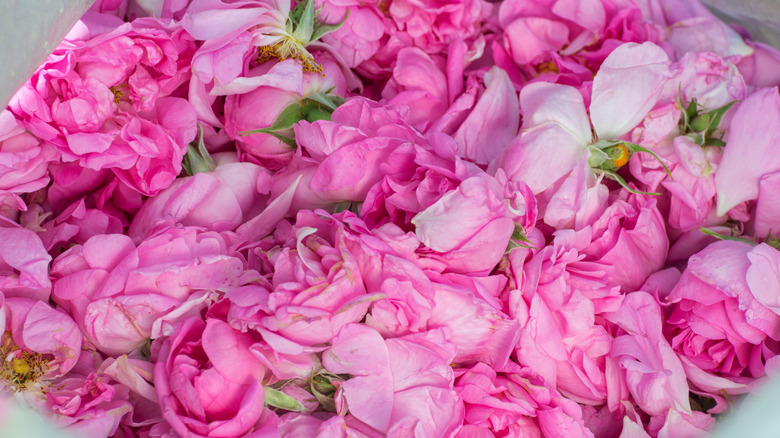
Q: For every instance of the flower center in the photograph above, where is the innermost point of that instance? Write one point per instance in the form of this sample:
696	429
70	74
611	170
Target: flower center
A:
288	47
118	93
19	368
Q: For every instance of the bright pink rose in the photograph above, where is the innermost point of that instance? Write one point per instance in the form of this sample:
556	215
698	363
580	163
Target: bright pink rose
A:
316	281
208	383
75	225
23	163
265	92
720	321
562	36
219	200
104	100
398	387
556	299
360	36
434	24
515	402
24	264
122	295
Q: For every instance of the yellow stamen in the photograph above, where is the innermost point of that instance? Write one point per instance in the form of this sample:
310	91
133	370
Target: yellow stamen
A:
286	48
117	92
547	67
20	369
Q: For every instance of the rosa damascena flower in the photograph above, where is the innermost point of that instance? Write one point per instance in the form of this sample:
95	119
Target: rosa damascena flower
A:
106	99
625	89
219	200
724	319
400	386
122	295
23	163
515	402
208	382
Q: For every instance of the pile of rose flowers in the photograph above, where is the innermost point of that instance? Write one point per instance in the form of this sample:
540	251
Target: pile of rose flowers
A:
403	218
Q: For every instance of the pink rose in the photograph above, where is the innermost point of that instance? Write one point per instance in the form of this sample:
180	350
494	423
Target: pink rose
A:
38	345
208	383
24	264
398	387
219	200
23	162
515	401
106	100
720	321
434	24
122	295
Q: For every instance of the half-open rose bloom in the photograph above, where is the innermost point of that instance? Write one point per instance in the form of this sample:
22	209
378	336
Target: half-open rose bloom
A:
208	382
121	294
105	99
219	200
724	319
24	264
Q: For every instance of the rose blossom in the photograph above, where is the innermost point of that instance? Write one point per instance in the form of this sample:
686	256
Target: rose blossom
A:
720	321
122	295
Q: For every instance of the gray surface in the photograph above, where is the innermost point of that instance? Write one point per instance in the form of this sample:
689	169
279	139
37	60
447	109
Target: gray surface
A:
29	32
760	17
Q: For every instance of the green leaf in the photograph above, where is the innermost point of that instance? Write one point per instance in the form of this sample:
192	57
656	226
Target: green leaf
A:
278	399
313	111
289	141
323	29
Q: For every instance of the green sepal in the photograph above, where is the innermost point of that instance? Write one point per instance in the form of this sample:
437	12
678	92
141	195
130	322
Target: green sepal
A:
719	236
278	399
323	29
636	148
708	123
519	239
619	179
304	25
197	158
285	120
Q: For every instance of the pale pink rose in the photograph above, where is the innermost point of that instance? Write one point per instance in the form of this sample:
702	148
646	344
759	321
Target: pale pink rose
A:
219	200
208	383
709	78
85	402
761	68
23	162
419	82
678	424
24	264
469	228
515	401
116	8
767	212
417	177
632	76
692	187
492	123
122	295
399	387
46	340
159	9
748	155
653	373
76	224
719	320
105	100
630	237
